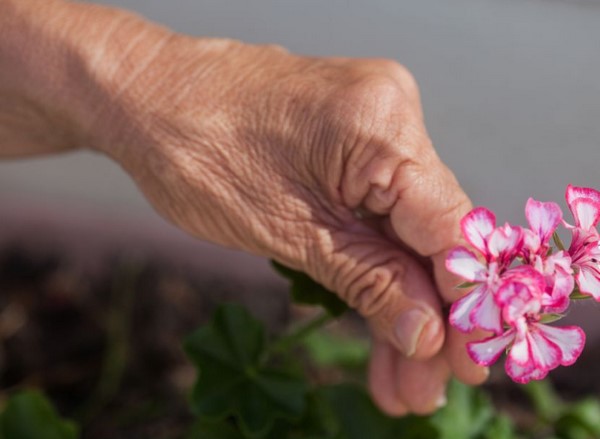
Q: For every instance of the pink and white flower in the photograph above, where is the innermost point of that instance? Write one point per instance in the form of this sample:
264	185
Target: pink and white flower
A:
584	250
498	246
543	219
534	348
512	300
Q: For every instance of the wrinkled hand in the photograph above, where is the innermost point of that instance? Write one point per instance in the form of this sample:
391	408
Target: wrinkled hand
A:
323	164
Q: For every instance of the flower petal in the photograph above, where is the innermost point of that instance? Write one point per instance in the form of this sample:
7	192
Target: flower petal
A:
487	351
520	352
588	280
487	314
543	218
569	339
531	241
477	226
460	312
523	374
505	242
464	263
574	192
560	282
586	212
545	354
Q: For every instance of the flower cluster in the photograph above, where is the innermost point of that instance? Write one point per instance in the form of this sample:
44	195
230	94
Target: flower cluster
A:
521	283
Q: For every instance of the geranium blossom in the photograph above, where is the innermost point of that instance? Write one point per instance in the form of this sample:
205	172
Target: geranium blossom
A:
520	282
543	219
584	250
498	246
534	348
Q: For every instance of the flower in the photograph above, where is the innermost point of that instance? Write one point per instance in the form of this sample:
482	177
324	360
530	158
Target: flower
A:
534	347
584	250
543	219
499	246
522	283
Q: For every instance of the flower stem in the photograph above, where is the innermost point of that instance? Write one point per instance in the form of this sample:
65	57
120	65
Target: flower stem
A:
557	241
287	341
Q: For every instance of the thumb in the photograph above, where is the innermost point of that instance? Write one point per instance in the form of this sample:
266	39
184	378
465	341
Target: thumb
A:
387	286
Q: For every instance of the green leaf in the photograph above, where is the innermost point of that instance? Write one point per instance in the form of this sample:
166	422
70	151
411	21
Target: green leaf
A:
582	419
233	379
577	295
546	403
203	429
466	285
326	349
466	415
550	318
318	422
306	291
501	427
29	415
358	417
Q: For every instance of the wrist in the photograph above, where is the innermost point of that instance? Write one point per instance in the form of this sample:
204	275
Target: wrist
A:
32	81
47	71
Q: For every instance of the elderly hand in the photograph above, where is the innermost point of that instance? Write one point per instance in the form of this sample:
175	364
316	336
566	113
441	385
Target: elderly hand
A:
323	164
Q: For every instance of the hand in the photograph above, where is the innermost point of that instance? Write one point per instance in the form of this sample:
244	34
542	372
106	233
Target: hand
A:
323	164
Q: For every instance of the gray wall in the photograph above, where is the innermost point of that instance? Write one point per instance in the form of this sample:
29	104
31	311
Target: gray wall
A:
511	89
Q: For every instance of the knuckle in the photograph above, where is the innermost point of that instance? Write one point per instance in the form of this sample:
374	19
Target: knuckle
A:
401	75
372	110
366	100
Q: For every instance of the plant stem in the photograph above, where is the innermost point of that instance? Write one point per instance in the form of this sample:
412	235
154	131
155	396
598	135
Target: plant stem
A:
118	328
287	341
557	241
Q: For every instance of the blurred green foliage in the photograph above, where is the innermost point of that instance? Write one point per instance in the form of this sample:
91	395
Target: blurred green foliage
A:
28	415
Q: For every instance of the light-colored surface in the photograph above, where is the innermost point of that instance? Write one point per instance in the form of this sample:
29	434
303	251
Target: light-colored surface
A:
511	90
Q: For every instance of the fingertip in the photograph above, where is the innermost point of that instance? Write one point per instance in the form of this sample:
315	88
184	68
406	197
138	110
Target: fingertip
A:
422	384
472	376
462	366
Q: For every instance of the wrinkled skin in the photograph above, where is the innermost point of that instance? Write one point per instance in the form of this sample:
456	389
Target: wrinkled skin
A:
323	164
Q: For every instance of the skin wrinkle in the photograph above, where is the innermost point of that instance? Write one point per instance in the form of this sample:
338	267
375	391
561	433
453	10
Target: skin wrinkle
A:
376	200
99	54
383	296
365	278
377	282
369	261
141	68
123	61
353	261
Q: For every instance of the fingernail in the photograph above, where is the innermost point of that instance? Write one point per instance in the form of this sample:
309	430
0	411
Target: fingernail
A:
409	327
441	402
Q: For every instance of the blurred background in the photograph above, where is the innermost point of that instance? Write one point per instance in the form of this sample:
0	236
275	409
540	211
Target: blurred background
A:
511	92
